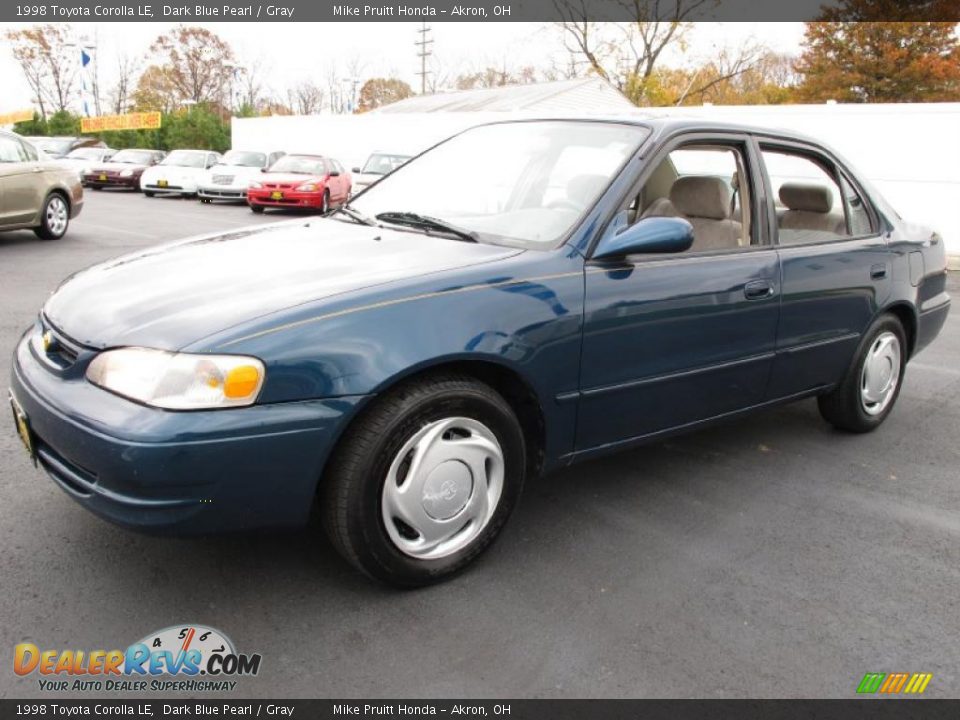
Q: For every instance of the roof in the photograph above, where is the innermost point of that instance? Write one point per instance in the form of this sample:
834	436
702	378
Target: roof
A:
594	94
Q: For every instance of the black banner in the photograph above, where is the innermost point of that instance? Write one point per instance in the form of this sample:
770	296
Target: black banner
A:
478	10
510	709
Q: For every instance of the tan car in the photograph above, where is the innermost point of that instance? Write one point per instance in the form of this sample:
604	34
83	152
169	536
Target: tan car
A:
35	192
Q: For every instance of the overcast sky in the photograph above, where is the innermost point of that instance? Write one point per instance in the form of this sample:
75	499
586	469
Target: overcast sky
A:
292	52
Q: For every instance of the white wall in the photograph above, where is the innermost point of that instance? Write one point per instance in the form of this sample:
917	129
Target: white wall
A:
911	152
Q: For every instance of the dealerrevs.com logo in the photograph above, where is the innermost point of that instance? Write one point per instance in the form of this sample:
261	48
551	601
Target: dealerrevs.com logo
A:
185	658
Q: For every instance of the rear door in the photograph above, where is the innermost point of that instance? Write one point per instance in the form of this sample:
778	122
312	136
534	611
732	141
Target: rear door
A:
674	339
23	183
835	264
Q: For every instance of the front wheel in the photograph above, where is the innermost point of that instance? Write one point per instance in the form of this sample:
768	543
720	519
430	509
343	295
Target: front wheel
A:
148	193
54	218
256	208
869	390
325	203
425	480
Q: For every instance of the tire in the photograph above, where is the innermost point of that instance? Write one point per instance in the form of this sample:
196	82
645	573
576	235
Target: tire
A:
148	193
96	187
869	390
54	218
257	209
325	203
205	201
424	418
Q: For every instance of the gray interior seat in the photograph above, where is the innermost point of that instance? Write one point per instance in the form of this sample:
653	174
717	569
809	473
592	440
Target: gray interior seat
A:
809	211
705	202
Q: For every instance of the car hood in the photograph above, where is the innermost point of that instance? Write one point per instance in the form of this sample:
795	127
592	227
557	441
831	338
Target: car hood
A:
115	167
298	178
161	171
238	170
172	295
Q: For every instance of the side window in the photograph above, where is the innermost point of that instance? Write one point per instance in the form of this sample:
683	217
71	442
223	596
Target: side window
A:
29	151
11	150
708	186
812	202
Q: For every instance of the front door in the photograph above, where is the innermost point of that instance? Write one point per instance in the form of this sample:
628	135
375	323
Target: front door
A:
22	182
671	340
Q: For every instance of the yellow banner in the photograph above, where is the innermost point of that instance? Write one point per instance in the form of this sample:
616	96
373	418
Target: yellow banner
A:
131	121
16	116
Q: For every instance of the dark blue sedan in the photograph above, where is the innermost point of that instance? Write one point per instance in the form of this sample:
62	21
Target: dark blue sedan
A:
522	296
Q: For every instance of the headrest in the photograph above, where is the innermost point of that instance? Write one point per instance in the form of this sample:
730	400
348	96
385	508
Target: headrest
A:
806	196
701	196
585	187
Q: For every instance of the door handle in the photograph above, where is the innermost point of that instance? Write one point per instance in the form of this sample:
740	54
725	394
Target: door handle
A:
38	169
758	289
878	272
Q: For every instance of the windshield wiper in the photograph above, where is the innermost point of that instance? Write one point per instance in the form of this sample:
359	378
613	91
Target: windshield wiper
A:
355	214
427	223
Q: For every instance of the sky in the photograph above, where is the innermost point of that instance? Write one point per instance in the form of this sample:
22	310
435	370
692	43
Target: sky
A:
288	53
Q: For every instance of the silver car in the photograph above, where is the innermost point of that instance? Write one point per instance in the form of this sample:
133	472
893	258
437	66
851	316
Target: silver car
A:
35	191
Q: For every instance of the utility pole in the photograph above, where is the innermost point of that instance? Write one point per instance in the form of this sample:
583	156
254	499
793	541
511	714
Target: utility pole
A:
424	44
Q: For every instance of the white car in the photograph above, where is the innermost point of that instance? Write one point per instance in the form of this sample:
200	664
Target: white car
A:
83	159
179	173
230	179
377	165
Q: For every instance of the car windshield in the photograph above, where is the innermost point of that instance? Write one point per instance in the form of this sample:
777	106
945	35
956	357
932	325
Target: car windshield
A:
186	158
86	153
517	183
132	157
244	159
299	164
54	146
381	163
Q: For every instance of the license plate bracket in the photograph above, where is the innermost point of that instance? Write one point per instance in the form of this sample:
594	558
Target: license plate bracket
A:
162	183
23	428
103	177
276	195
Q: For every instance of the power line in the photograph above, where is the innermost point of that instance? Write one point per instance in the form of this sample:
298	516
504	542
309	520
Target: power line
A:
424	44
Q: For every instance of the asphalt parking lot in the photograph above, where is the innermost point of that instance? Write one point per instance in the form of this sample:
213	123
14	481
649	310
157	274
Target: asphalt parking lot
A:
768	557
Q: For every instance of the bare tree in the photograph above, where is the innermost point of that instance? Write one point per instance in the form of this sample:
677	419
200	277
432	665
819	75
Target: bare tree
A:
121	95
306	98
44	52
198	63
626	53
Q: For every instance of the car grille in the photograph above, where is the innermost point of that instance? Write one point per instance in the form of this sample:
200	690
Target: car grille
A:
279	186
57	349
222	179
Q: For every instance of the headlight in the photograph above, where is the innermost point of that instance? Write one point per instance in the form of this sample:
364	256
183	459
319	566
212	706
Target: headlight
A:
178	381
255	184
308	187
126	173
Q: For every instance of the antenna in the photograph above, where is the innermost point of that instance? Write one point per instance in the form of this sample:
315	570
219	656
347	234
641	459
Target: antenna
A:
424	44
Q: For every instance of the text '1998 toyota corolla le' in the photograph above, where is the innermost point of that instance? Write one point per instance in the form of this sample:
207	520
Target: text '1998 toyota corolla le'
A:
521	296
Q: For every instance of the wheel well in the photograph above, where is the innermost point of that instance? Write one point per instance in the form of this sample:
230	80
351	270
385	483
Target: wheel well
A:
62	193
904	313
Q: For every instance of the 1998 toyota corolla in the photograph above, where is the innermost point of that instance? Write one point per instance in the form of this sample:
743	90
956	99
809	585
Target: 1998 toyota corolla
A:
521	296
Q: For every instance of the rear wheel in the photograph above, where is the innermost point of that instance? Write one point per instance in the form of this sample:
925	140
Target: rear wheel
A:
425	480
869	390
54	218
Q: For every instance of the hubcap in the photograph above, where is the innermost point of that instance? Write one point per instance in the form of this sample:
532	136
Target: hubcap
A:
881	374
442	488
57	215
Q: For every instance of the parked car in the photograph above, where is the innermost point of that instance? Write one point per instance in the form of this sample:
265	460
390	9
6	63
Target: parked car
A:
123	170
60	146
376	166
230	178
178	173
523	295
83	159
34	192
300	181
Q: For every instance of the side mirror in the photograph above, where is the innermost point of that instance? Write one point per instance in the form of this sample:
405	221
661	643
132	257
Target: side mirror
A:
649	235
264	169
356	170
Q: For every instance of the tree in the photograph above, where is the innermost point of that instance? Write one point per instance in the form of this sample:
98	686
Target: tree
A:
156	90
382	91
196	63
627	53
879	62
306	98
43	54
121	95
490	77
198	127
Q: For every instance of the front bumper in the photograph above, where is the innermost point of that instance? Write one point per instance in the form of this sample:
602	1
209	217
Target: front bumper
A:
222	192
175	472
178	188
94	180
290	199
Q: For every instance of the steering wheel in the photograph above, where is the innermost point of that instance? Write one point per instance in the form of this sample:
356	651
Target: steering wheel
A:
562	204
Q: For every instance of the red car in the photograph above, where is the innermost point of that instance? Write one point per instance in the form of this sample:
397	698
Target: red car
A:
301	181
123	170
